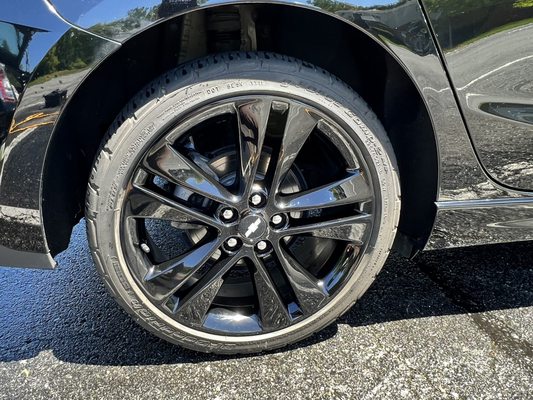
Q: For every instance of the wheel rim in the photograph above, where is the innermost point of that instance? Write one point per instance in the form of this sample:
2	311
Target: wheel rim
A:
263	242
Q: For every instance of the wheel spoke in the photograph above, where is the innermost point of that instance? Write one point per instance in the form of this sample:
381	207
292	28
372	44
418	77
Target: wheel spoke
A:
170	275
252	119
300	123
193	307
146	203
274	313
168	163
350	229
307	288
352	189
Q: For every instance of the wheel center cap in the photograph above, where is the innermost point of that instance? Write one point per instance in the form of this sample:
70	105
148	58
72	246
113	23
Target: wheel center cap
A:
252	227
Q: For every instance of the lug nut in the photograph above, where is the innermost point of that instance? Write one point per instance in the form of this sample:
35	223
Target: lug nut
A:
277	220
262	245
227	214
232	243
256	199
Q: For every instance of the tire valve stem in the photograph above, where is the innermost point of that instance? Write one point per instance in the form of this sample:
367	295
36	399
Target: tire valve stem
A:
145	248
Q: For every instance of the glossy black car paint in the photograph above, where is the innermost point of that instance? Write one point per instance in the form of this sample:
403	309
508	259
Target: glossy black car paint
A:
67	46
488	50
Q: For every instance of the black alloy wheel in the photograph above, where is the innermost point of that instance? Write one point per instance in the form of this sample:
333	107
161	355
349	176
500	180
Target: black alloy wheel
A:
243	211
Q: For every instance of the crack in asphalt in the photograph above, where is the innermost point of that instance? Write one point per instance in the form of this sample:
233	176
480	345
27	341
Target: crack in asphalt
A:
503	336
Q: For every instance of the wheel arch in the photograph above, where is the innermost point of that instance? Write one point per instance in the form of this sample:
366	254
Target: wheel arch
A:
383	82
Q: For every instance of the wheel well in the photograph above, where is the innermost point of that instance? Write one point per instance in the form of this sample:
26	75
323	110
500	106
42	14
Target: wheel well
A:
337	47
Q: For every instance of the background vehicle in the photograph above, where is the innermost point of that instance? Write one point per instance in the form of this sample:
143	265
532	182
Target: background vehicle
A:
8	100
245	168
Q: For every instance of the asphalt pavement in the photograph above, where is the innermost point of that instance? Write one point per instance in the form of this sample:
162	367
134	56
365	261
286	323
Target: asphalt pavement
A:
450	324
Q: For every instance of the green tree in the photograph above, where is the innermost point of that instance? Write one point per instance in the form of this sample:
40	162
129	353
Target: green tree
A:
332	5
50	62
523	3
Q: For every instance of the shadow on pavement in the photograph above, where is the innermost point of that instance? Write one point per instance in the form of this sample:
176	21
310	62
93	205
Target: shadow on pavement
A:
69	313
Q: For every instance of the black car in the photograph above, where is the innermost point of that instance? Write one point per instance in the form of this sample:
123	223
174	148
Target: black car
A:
8	101
245	168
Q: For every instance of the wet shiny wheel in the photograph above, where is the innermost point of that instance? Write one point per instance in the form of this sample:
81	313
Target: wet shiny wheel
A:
242	203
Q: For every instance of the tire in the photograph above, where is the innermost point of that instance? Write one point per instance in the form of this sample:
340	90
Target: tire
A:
266	303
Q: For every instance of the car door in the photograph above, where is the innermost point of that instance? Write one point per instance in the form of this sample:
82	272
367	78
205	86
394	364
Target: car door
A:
488	49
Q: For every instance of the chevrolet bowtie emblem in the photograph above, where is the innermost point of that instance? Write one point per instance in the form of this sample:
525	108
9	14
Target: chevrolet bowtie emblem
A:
253	227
